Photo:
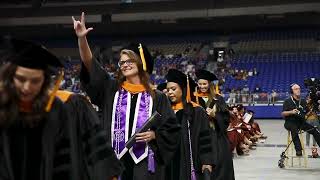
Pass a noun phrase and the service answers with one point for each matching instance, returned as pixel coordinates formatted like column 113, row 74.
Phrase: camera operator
column 294, row 111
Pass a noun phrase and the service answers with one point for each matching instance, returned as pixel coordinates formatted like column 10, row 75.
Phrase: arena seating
column 276, row 70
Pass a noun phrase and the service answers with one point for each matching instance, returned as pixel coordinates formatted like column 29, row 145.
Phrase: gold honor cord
column 54, row 91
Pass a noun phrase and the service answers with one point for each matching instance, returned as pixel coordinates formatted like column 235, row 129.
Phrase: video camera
column 313, row 84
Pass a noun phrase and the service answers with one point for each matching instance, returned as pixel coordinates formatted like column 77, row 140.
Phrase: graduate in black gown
column 220, row 120
column 195, row 149
column 33, row 145
column 205, row 81
column 92, row 156
column 126, row 103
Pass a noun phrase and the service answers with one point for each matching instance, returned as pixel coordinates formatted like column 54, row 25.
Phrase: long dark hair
column 9, row 99
column 143, row 75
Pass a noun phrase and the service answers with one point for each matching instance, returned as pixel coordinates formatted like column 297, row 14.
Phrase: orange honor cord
column 188, row 98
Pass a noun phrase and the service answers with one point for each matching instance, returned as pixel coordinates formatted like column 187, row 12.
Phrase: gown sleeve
column 99, row 158
column 167, row 131
column 97, row 83
column 58, row 126
column 205, row 138
column 222, row 118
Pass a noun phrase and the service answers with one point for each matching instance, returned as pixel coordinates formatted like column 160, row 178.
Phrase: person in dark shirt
column 294, row 110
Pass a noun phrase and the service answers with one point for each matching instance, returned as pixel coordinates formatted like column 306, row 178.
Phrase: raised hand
column 80, row 26
column 209, row 167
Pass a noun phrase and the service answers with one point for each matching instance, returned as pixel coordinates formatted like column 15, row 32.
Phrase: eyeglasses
column 128, row 62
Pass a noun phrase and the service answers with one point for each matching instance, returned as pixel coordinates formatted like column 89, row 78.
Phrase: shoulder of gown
column 97, row 83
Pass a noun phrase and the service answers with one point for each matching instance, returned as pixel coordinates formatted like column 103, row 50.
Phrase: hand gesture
column 209, row 167
column 80, row 26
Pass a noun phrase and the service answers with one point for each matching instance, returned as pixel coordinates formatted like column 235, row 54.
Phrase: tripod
column 283, row 155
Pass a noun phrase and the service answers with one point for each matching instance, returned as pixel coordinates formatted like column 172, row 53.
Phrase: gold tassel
column 142, row 58
column 217, row 89
column 53, row 93
column 188, row 98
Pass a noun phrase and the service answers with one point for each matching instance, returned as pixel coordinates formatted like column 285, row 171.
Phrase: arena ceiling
column 20, row 17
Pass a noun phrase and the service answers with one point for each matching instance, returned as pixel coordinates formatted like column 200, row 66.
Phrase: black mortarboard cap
column 178, row 77
column 203, row 74
column 162, row 86
column 30, row 55
column 147, row 55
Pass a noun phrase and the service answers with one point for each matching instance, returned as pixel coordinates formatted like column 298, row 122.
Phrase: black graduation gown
column 101, row 88
column 43, row 149
column 224, row 163
column 180, row 167
column 202, row 102
column 92, row 157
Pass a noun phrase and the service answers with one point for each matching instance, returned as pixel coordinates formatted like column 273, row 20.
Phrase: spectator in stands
column 68, row 80
column 236, row 70
column 76, row 87
column 269, row 98
column 250, row 73
column 274, row 96
column 255, row 72
column 245, row 75
column 257, row 89
column 245, row 93
column 238, row 95
column 232, row 97
column 190, row 68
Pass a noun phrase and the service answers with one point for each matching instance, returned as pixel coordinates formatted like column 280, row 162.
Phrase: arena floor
column 262, row 164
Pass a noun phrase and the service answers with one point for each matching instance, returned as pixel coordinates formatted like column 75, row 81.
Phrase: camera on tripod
column 313, row 84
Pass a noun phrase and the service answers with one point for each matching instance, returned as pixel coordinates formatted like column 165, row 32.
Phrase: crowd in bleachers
column 244, row 77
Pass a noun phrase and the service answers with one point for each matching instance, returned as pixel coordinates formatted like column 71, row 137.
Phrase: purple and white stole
column 120, row 123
